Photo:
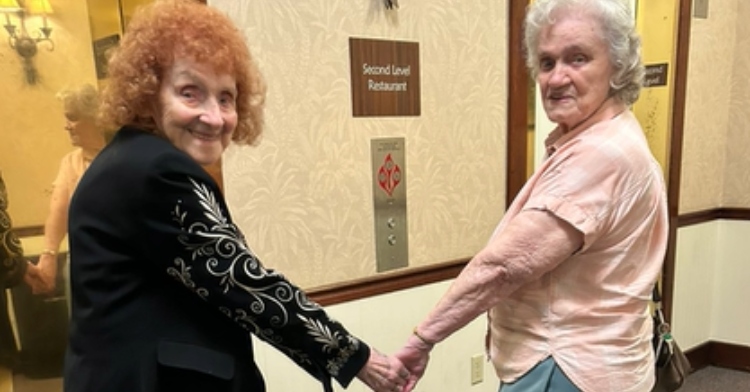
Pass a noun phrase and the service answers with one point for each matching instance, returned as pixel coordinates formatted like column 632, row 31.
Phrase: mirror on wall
column 59, row 45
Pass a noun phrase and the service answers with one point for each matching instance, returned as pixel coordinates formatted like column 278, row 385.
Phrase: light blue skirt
column 546, row 376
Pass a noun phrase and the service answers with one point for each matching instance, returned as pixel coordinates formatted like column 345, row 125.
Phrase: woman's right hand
column 384, row 373
column 33, row 278
column 47, row 271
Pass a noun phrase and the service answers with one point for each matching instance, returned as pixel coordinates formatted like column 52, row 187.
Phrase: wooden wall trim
column 730, row 356
column 386, row 283
column 29, row 231
column 724, row 355
column 518, row 91
column 675, row 149
column 699, row 217
column 699, row 356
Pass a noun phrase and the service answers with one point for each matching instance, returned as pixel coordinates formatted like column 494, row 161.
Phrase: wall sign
column 385, row 78
column 656, row 75
column 102, row 50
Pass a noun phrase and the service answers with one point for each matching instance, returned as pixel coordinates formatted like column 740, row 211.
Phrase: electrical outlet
column 477, row 369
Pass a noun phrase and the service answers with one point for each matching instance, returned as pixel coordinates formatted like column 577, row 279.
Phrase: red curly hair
column 159, row 33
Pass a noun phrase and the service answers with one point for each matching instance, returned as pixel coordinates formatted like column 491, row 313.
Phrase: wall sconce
column 19, row 38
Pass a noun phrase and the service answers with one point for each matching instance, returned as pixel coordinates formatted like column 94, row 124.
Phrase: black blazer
column 165, row 292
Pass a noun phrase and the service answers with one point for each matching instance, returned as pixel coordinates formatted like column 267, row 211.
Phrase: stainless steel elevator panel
column 389, row 197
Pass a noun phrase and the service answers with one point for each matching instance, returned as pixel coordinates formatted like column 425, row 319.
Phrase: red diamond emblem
column 389, row 175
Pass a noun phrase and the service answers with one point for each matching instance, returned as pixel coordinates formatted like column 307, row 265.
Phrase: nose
column 212, row 114
column 558, row 76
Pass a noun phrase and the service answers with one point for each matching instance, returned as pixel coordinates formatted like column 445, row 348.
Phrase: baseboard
column 725, row 355
column 699, row 356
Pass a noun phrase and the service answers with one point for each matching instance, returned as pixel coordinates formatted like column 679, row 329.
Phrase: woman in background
column 80, row 106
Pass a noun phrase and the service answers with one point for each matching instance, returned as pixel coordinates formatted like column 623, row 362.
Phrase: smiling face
column 574, row 70
column 196, row 110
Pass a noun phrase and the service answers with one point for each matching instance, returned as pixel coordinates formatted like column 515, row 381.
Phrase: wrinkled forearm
column 477, row 288
column 530, row 246
column 56, row 225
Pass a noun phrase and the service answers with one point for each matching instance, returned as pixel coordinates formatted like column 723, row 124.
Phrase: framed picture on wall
column 102, row 50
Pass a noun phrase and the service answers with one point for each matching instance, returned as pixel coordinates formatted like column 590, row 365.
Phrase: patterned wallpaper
column 303, row 197
column 716, row 168
column 737, row 170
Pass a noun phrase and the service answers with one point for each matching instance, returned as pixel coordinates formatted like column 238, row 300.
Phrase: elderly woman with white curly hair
column 567, row 274
column 80, row 107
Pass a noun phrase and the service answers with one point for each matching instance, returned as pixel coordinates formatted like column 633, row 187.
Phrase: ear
column 150, row 113
column 151, row 108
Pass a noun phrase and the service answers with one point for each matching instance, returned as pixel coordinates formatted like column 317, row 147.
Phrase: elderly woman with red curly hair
column 166, row 294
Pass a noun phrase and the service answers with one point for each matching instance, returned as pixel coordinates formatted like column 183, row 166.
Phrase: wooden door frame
column 518, row 79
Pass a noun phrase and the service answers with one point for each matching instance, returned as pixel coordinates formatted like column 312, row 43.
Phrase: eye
column 579, row 59
column 189, row 93
column 227, row 100
column 546, row 64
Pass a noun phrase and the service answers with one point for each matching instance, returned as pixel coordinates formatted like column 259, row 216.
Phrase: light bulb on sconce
column 25, row 43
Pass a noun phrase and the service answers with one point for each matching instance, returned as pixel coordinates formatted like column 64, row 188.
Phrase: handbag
column 672, row 366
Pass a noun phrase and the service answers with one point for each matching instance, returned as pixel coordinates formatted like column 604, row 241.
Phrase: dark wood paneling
column 731, row 356
column 725, row 355
column 518, row 91
column 699, row 217
column 733, row 213
column 29, row 231
column 386, row 283
column 699, row 356
column 675, row 149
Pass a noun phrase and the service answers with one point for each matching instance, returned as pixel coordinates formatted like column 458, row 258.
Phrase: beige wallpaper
column 304, row 196
column 704, row 156
column 716, row 166
column 737, row 171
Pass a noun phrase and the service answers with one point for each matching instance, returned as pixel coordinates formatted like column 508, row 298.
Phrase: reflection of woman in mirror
column 81, row 106
column 13, row 269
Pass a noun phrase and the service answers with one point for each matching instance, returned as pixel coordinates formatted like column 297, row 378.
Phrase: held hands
column 383, row 373
column 415, row 355
column 33, row 278
column 48, row 271
column 41, row 277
